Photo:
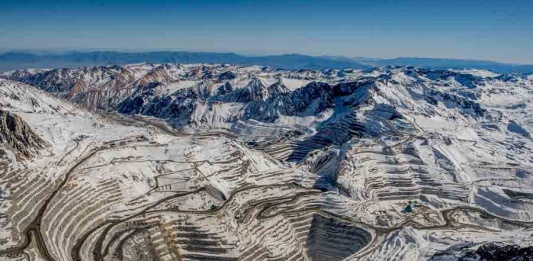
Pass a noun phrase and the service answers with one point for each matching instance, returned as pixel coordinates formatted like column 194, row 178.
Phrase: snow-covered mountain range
column 226, row 162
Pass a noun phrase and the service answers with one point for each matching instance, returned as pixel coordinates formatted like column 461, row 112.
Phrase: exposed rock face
column 15, row 134
column 329, row 239
column 488, row 252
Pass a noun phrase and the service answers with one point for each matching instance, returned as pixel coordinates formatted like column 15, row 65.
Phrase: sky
column 467, row 29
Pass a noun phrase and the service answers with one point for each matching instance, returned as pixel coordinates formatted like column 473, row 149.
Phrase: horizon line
column 60, row 51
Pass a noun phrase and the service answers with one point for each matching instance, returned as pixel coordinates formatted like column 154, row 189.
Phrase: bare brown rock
column 16, row 135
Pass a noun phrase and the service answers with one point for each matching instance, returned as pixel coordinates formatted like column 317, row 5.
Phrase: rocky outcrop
column 489, row 252
column 16, row 135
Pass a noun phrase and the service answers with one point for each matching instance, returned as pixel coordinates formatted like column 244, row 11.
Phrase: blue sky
column 472, row 29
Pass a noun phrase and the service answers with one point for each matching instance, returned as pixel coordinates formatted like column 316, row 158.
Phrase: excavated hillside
column 224, row 162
